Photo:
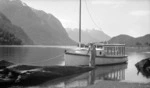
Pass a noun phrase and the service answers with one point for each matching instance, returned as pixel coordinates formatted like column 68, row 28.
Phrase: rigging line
column 46, row 59
column 37, row 61
column 15, row 65
column 91, row 16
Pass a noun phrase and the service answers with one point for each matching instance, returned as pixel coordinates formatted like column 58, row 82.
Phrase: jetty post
column 92, row 55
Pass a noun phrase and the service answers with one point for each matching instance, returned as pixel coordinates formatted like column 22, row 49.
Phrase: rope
column 36, row 62
column 91, row 16
column 15, row 65
column 45, row 60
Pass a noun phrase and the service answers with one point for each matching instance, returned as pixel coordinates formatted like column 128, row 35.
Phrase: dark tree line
column 7, row 38
column 140, row 44
column 147, row 44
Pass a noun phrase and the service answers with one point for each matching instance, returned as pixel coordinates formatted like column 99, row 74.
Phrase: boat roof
column 108, row 44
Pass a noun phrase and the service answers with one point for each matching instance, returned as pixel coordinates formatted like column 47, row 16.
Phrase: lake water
column 48, row 55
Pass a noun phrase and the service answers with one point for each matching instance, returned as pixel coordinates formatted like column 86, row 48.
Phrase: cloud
column 140, row 13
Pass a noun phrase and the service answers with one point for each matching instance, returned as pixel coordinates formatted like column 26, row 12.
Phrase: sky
column 114, row 17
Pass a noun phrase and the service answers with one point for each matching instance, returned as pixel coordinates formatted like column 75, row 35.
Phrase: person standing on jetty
column 92, row 54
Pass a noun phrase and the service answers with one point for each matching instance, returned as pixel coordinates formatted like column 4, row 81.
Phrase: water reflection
column 40, row 55
column 115, row 73
column 131, row 71
column 32, row 55
column 13, row 54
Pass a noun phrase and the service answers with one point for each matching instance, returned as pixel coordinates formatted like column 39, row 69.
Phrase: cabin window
column 100, row 53
column 99, row 46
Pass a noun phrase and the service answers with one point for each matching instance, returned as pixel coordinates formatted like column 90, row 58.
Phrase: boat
column 105, row 53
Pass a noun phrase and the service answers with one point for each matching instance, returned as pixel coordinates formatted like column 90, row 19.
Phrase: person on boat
column 92, row 53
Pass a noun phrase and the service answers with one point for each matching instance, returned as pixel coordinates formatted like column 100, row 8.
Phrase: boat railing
column 114, row 50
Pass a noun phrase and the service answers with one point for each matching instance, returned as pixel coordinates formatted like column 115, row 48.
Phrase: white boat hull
column 82, row 59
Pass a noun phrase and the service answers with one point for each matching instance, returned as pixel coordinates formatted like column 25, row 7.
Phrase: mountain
column 11, row 34
column 87, row 35
column 122, row 39
column 41, row 27
column 131, row 41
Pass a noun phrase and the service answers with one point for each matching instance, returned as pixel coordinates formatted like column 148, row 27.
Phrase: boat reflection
column 114, row 73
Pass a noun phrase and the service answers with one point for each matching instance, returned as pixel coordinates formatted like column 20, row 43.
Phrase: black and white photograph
column 74, row 43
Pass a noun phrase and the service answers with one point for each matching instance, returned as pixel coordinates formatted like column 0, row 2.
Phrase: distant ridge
column 11, row 34
column 41, row 27
column 90, row 35
column 131, row 41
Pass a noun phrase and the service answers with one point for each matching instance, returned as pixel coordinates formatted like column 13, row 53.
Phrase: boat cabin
column 110, row 49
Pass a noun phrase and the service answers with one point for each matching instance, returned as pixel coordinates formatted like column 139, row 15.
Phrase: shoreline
column 116, row 84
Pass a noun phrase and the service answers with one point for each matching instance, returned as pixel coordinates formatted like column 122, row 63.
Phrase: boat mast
column 80, row 24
